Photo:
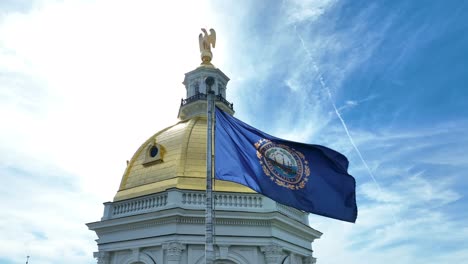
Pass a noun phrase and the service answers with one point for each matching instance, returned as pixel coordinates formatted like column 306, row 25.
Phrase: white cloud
column 419, row 226
column 409, row 215
column 82, row 84
column 301, row 10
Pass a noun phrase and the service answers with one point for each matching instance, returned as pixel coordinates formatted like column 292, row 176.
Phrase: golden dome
column 174, row 157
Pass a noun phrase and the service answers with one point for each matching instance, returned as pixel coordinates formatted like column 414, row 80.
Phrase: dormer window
column 154, row 151
column 153, row 154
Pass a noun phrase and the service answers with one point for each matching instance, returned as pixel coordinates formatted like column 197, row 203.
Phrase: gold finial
column 206, row 41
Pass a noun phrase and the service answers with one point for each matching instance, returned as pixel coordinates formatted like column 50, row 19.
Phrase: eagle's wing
column 212, row 37
column 200, row 41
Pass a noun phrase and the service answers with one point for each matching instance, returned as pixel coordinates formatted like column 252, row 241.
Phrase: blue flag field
column 308, row 177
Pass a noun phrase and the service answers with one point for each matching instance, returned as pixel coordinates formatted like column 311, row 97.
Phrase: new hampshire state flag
column 308, row 177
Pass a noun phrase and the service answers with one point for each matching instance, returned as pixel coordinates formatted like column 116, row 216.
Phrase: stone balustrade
column 248, row 202
column 224, row 200
column 139, row 205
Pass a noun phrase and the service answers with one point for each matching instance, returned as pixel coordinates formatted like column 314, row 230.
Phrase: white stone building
column 158, row 213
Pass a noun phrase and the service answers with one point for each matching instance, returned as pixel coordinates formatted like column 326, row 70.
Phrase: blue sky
column 84, row 83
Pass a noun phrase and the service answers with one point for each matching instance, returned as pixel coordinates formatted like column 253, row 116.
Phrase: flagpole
column 209, row 249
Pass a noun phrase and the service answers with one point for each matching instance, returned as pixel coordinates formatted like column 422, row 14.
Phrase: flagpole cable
column 209, row 250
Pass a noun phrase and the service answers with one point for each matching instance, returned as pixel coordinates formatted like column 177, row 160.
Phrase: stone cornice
column 179, row 216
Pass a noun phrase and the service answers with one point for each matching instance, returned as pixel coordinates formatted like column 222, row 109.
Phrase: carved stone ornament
column 102, row 257
column 309, row 260
column 173, row 250
column 273, row 253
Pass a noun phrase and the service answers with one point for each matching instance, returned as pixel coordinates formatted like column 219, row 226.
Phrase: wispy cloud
column 416, row 202
column 40, row 206
column 349, row 104
column 83, row 83
column 417, row 192
column 299, row 11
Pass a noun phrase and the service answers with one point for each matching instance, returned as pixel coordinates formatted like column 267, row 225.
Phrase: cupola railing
column 202, row 96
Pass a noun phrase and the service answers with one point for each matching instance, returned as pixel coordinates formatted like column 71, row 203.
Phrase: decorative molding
column 294, row 258
column 132, row 257
column 223, row 251
column 309, row 260
column 173, row 250
column 183, row 220
column 273, row 253
column 292, row 213
column 103, row 257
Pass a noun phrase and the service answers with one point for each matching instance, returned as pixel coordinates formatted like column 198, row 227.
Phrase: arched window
column 222, row 90
column 224, row 261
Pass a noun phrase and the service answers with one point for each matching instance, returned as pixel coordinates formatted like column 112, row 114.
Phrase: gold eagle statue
column 206, row 41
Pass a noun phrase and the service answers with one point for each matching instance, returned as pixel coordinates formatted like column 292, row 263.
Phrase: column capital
column 103, row 257
column 173, row 250
column 309, row 260
column 273, row 253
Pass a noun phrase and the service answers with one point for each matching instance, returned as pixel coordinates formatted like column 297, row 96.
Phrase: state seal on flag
column 282, row 164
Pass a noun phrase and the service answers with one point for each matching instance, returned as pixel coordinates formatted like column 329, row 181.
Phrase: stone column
column 273, row 253
column 102, row 257
column 309, row 260
column 173, row 252
column 294, row 259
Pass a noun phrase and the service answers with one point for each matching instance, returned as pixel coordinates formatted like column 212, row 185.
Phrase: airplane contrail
column 343, row 123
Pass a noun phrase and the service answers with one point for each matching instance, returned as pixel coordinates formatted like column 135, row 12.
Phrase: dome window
column 154, row 151
column 153, row 154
